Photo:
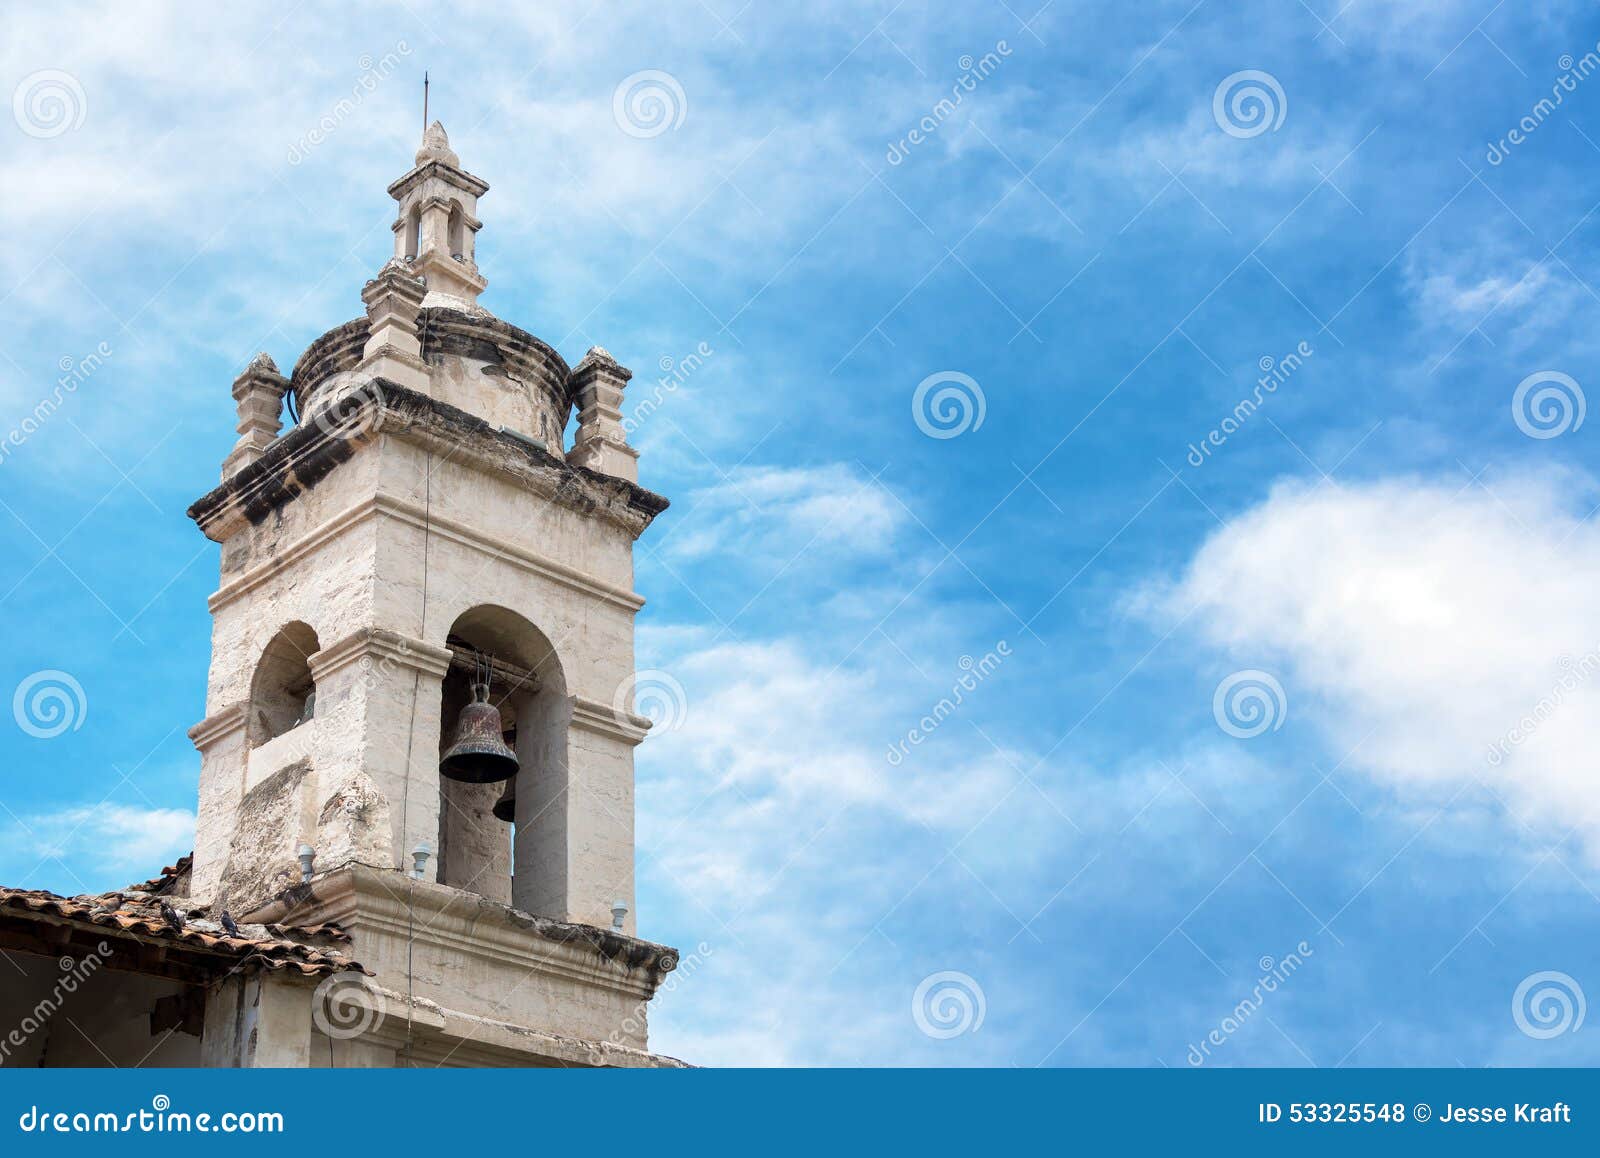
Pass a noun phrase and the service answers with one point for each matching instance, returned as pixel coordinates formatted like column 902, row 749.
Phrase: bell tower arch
column 422, row 527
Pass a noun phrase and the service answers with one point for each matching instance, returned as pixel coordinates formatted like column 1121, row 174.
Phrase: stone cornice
column 300, row 459
column 593, row 716
column 303, row 547
column 445, row 172
column 218, row 725
column 380, row 647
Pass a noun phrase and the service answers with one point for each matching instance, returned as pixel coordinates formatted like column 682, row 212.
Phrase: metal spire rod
column 424, row 100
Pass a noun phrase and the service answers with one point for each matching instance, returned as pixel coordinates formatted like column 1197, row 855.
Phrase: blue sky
column 1110, row 255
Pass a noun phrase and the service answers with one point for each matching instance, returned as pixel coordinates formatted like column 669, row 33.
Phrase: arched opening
column 413, row 232
column 282, row 694
column 477, row 850
column 456, row 232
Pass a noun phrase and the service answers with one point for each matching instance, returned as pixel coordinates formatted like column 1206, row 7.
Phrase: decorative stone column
column 601, row 444
column 258, row 392
column 394, row 348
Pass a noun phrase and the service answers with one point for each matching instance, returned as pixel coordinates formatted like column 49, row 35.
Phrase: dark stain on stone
column 298, row 461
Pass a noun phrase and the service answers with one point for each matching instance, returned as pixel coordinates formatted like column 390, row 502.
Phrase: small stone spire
column 258, row 393
column 436, row 147
column 601, row 443
column 436, row 231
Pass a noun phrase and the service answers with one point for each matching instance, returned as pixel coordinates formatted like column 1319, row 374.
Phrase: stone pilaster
column 601, row 443
column 378, row 699
column 258, row 393
column 221, row 741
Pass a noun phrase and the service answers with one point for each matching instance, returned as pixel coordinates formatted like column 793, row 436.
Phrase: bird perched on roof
column 171, row 918
column 229, row 923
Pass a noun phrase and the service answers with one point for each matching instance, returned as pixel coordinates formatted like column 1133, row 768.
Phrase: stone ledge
column 299, row 460
column 218, row 725
column 356, row 896
column 593, row 716
column 400, row 186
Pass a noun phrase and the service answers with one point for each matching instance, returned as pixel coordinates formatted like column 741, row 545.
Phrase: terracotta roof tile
column 167, row 880
column 137, row 912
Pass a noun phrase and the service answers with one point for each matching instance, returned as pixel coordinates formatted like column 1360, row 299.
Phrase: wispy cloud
column 102, row 840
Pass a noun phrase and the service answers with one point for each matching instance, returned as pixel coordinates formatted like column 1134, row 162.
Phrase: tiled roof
column 169, row 878
column 137, row 913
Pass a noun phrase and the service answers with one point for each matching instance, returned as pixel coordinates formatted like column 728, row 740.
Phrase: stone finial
column 436, row 147
column 597, row 384
column 394, row 348
column 258, row 393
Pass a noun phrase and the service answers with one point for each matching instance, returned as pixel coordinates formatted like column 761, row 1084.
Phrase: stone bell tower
column 420, row 524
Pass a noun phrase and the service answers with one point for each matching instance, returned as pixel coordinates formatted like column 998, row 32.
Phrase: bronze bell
column 479, row 754
column 506, row 807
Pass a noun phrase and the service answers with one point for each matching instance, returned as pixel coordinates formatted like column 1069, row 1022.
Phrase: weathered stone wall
column 427, row 489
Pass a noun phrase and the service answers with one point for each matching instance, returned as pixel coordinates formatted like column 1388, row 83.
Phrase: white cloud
column 1470, row 299
column 1517, row 298
column 778, row 512
column 1410, row 30
column 109, row 840
column 1199, row 152
column 1421, row 624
